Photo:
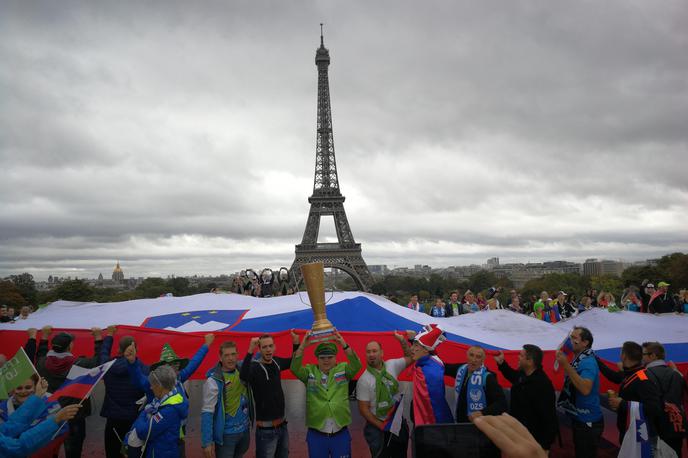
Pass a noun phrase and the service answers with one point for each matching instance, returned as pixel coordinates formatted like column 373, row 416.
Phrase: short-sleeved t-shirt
column 365, row 387
column 588, row 407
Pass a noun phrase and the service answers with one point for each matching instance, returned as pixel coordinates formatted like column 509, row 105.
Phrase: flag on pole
column 80, row 382
column 15, row 372
column 567, row 348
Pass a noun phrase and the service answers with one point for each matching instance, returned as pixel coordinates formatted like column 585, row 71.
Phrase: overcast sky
column 179, row 137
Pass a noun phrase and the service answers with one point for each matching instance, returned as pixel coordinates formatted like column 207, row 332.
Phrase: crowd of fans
column 559, row 305
column 146, row 407
column 8, row 314
column 266, row 284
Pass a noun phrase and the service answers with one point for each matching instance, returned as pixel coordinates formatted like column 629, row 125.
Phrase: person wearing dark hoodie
column 119, row 406
column 54, row 365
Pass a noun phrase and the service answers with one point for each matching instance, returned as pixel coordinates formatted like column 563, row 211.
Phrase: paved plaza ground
column 295, row 401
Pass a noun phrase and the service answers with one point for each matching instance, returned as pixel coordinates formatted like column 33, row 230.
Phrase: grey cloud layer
column 180, row 137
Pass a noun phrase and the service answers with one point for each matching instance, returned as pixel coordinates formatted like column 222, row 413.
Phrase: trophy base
column 322, row 335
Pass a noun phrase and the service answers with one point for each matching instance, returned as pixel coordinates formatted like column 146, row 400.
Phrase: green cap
column 168, row 356
column 662, row 284
column 326, row 349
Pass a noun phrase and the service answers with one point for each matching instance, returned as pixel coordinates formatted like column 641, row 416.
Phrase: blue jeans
column 272, row 442
column 233, row 445
column 322, row 445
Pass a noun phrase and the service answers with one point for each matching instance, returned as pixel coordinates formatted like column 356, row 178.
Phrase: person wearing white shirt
column 381, row 401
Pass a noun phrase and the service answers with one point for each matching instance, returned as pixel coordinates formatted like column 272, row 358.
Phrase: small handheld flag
column 566, row 347
column 80, row 382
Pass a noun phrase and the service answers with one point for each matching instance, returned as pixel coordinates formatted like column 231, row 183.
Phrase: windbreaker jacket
column 18, row 438
column 331, row 401
column 161, row 431
column 213, row 410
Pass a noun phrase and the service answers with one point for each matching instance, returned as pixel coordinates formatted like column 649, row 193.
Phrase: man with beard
column 634, row 386
column 378, row 393
column 578, row 397
column 672, row 390
column 532, row 394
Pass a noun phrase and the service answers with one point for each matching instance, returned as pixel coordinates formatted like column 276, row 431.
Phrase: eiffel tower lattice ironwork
column 327, row 199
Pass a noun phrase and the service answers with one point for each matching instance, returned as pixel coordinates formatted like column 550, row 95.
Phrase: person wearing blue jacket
column 182, row 367
column 34, row 386
column 155, row 432
column 226, row 413
column 19, row 439
column 119, row 406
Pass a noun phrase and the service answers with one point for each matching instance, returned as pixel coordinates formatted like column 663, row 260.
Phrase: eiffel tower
column 327, row 200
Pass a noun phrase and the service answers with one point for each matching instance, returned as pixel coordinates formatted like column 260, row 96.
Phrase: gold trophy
column 314, row 277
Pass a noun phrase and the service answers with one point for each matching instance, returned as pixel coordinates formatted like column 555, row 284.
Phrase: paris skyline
column 182, row 139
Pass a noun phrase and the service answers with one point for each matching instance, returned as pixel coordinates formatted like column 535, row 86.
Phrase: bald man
column 477, row 392
column 377, row 392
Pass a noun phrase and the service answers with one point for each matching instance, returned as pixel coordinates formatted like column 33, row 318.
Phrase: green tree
column 74, row 290
column 26, row 286
column 675, row 269
column 481, row 280
column 608, row 283
column 11, row 296
column 552, row 283
column 179, row 286
column 152, row 287
column 635, row 275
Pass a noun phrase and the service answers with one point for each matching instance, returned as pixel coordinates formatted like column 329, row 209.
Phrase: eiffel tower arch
column 327, row 199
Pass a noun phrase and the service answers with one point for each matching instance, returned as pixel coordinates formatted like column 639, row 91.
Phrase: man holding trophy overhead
column 327, row 383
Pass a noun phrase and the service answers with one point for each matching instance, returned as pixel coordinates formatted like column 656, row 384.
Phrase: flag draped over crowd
column 361, row 317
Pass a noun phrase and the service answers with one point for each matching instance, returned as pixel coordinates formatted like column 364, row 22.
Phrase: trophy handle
column 298, row 291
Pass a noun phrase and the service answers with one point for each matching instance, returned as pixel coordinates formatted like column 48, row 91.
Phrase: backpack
column 673, row 418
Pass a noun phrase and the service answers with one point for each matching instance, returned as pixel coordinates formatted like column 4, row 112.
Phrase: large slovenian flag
column 360, row 317
column 80, row 382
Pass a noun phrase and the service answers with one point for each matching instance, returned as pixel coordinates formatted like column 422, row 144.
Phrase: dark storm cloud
column 180, row 137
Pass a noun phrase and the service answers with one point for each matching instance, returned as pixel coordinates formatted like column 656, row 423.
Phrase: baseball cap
column 61, row 342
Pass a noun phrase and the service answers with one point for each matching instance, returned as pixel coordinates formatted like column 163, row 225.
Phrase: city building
column 117, row 274
column 592, row 267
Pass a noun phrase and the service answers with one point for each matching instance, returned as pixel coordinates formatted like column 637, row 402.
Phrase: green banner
column 15, row 372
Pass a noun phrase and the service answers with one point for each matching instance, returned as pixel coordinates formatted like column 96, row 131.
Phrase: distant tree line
column 19, row 290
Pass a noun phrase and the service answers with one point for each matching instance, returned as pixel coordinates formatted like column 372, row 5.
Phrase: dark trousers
column 384, row 444
column 113, row 443
column 75, row 440
column 586, row 439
